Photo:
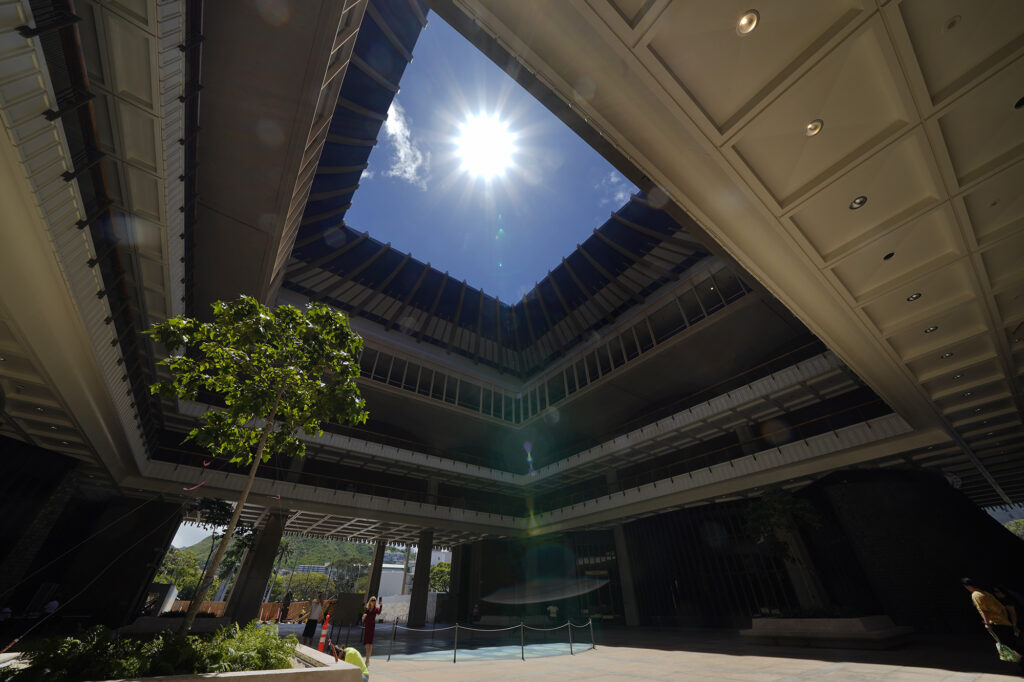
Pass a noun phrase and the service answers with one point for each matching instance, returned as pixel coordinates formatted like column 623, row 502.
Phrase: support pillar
column 629, row 607
column 476, row 557
column 247, row 595
column 456, row 594
column 421, row 579
column 376, row 568
column 810, row 593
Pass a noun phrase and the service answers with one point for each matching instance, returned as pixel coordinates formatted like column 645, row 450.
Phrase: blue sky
column 501, row 235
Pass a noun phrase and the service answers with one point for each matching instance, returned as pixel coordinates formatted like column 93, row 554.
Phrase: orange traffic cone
column 323, row 632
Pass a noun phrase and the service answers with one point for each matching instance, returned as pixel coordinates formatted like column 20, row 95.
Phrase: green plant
column 253, row 647
column 440, row 576
column 277, row 372
column 99, row 654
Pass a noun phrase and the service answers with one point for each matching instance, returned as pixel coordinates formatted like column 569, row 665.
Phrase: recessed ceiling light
column 747, row 22
column 913, row 297
column 951, row 23
column 711, row 288
column 990, row 433
column 64, row 442
column 814, row 127
column 858, row 202
column 53, row 428
column 1019, row 104
column 958, row 376
column 967, row 394
column 39, row 409
column 931, row 329
column 946, row 356
column 889, row 255
column 993, row 203
column 977, row 410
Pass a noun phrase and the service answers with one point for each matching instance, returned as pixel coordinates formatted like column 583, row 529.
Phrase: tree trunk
column 211, row 570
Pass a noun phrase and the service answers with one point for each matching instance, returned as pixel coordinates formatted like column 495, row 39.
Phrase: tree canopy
column 297, row 369
column 440, row 576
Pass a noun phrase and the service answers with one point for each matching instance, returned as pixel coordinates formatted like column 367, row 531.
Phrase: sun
column 485, row 146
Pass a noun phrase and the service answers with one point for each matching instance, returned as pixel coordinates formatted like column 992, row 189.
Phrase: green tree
column 1016, row 527
column 182, row 569
column 276, row 371
column 305, row 586
column 441, row 576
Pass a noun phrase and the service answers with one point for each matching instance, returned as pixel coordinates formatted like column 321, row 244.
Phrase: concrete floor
column 678, row 655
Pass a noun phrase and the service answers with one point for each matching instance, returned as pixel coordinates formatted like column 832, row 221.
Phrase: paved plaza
column 681, row 655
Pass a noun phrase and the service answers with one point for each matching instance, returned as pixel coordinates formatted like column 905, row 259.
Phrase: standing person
column 1011, row 606
column 285, row 605
column 369, row 620
column 993, row 616
column 552, row 613
column 316, row 611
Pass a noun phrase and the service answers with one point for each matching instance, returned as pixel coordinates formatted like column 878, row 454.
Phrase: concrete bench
column 866, row 632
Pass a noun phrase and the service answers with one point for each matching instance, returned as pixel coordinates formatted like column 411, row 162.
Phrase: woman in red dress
column 369, row 619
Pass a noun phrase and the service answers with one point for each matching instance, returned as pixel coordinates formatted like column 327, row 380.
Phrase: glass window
column 691, row 306
column 570, row 380
column 603, row 360
column 486, row 407
column 615, row 349
column 592, row 366
column 581, row 374
column 451, row 390
column 397, row 372
column 629, row 344
column 643, row 335
column 666, row 321
column 426, row 376
column 412, row 375
column 437, row 387
column 556, row 388
column 366, row 361
column 469, row 396
column 383, row 367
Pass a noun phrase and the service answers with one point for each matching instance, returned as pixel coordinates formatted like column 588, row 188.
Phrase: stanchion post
column 522, row 641
column 455, row 648
column 570, row 638
column 593, row 645
column 392, row 645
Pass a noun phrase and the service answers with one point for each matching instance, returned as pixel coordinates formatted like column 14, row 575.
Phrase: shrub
column 98, row 654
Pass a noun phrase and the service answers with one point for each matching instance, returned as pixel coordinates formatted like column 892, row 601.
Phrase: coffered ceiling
column 863, row 160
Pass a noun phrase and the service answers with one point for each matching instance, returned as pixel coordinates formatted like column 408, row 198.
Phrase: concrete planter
column 866, row 632
column 323, row 669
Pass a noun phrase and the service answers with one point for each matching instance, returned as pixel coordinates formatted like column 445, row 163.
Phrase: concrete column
column 376, row 568
column 629, row 606
column 247, row 594
column 810, row 593
column 421, row 580
column 476, row 557
column 21, row 556
column 456, row 595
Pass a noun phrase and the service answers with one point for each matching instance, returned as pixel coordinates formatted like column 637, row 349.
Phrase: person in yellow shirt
column 994, row 617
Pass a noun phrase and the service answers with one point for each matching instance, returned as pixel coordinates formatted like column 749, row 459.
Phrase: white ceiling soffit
column 920, row 111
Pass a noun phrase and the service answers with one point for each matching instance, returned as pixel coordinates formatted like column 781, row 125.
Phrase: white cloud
column 367, row 175
column 409, row 163
column 614, row 189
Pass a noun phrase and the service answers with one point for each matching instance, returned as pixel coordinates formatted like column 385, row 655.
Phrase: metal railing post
column 570, row 638
column 522, row 641
column 392, row 645
column 593, row 645
column 455, row 648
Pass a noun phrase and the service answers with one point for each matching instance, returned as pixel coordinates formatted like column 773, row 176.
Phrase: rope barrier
column 452, row 627
column 529, row 627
